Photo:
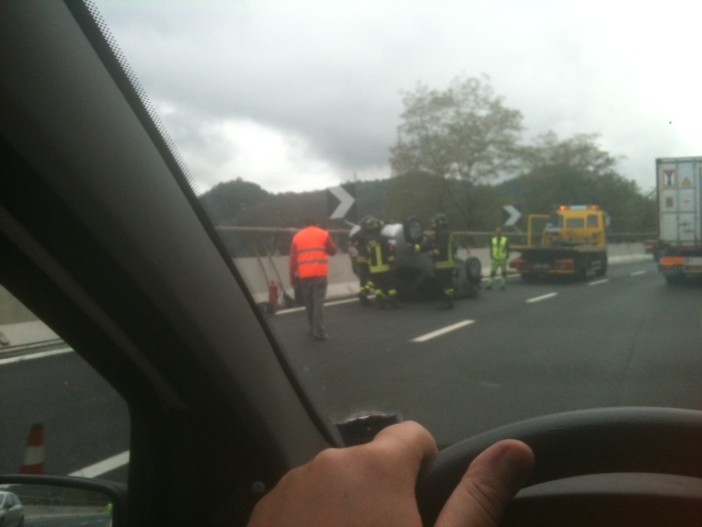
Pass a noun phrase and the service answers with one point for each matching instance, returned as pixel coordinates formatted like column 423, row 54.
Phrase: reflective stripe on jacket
column 309, row 254
column 445, row 250
column 498, row 248
column 380, row 256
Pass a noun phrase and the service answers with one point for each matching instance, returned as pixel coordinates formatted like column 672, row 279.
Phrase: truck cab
column 571, row 241
column 572, row 225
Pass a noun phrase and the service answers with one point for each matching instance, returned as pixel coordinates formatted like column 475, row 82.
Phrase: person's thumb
column 489, row 484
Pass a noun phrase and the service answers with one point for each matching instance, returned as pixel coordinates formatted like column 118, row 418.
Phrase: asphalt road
column 533, row 349
column 84, row 420
column 84, row 520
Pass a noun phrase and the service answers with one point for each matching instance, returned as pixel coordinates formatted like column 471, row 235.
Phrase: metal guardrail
column 244, row 241
column 264, row 262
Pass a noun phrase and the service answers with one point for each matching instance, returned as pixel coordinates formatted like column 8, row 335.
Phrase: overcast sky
column 305, row 94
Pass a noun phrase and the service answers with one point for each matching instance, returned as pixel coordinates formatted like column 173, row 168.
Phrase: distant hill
column 469, row 207
column 242, row 203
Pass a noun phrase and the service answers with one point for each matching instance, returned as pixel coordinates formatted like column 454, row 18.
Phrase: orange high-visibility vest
column 308, row 255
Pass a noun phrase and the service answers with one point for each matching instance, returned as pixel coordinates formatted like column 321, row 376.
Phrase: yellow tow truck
column 572, row 242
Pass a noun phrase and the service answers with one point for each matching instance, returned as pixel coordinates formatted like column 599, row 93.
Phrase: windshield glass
column 429, row 143
column 575, row 223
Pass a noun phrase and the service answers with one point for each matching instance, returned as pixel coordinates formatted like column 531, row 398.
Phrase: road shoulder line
column 104, row 466
column 442, row 331
column 540, row 298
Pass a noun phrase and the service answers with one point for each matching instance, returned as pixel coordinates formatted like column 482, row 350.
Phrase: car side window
column 59, row 416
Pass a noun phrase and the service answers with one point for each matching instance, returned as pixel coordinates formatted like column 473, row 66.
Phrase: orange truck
column 571, row 241
column 679, row 246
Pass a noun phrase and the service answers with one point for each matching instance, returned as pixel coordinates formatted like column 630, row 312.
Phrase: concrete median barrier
column 342, row 281
column 20, row 329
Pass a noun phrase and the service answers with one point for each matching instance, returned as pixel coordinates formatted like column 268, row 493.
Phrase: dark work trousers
column 384, row 283
column 445, row 278
column 314, row 291
column 363, row 274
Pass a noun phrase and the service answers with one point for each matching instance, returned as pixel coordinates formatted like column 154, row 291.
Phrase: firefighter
column 359, row 249
column 443, row 251
column 499, row 253
column 381, row 264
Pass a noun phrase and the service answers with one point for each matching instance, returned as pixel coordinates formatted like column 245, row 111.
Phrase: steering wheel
column 612, row 447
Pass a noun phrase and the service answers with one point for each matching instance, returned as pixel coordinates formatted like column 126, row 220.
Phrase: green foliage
column 464, row 129
column 577, row 171
column 570, row 171
column 371, row 197
column 415, row 194
column 225, row 201
column 287, row 210
column 420, row 194
column 451, row 145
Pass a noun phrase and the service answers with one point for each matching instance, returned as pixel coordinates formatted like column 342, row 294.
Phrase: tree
column 577, row 171
column 415, row 194
column 422, row 195
column 225, row 201
column 465, row 130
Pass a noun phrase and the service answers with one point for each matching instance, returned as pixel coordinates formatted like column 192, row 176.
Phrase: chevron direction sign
column 511, row 214
column 341, row 202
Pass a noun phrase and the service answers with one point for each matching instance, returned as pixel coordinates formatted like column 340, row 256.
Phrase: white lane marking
column 599, row 282
column 637, row 273
column 442, row 331
column 298, row 309
column 100, row 468
column 289, row 310
column 339, row 302
column 33, row 356
column 540, row 298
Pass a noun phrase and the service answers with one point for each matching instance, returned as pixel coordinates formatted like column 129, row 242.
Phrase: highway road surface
column 534, row 349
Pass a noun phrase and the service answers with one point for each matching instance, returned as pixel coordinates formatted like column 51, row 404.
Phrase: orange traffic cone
column 35, row 455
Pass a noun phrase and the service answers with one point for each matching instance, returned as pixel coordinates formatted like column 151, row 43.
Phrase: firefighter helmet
column 439, row 219
column 369, row 223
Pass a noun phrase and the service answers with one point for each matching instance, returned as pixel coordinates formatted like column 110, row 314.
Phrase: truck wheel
column 582, row 269
column 602, row 270
column 674, row 279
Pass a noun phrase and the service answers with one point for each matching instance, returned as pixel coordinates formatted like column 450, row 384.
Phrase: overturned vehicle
column 414, row 269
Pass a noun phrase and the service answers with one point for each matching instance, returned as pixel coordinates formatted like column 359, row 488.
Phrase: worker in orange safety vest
column 309, row 269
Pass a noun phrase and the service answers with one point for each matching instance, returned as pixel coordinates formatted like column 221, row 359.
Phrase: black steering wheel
column 617, row 444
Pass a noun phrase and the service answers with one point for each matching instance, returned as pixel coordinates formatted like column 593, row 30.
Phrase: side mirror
column 71, row 501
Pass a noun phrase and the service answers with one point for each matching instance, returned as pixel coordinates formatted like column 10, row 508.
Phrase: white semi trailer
column 679, row 246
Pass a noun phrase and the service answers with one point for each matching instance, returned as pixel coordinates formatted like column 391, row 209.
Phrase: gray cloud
column 328, row 76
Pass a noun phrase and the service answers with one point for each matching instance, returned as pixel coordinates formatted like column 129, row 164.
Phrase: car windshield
column 432, row 142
